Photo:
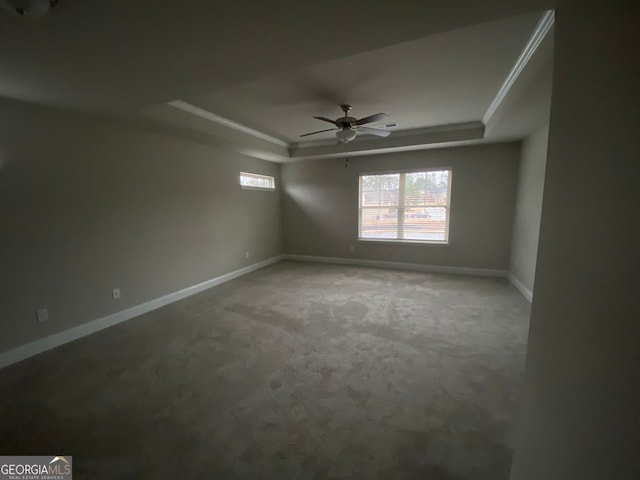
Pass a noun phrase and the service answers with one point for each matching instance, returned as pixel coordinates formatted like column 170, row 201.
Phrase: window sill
column 405, row 242
column 261, row 189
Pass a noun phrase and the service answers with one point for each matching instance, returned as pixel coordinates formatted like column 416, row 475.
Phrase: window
column 260, row 182
column 405, row 206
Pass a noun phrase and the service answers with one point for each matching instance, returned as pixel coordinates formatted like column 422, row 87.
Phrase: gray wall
column 87, row 205
column 582, row 417
column 526, row 224
column 320, row 206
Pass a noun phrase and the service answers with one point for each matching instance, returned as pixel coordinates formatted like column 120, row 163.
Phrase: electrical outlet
column 246, row 255
column 42, row 315
column 351, row 248
column 116, row 294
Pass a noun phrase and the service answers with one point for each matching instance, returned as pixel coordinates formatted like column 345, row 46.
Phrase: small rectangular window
column 405, row 206
column 260, row 182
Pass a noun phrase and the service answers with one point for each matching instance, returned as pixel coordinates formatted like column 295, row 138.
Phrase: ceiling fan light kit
column 347, row 128
column 346, row 135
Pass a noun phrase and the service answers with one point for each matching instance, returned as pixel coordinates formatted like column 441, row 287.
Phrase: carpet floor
column 296, row 371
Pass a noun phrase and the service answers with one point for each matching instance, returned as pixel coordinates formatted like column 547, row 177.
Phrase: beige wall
column 581, row 417
column 320, row 206
column 526, row 224
column 89, row 205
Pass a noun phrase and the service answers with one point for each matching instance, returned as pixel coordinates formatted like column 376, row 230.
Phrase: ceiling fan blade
column 372, row 118
column 319, row 131
column 375, row 131
column 325, row 119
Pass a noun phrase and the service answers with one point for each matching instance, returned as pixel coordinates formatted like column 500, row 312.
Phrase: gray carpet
column 297, row 371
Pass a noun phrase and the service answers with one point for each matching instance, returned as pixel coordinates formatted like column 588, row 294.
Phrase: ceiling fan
column 347, row 128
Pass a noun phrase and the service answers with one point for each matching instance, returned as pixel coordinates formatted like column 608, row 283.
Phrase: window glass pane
column 370, row 182
column 379, row 223
column 371, row 199
column 380, row 190
column 415, row 188
column 424, row 206
column 426, row 224
column 254, row 180
column 437, row 187
column 389, row 186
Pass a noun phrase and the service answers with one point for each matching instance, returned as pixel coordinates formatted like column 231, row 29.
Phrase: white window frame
column 270, row 188
column 401, row 207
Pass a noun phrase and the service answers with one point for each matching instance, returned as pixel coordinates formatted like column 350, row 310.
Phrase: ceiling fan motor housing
column 346, row 122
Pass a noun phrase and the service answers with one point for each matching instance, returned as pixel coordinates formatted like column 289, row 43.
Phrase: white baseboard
column 482, row 272
column 526, row 293
column 42, row 345
column 31, row 349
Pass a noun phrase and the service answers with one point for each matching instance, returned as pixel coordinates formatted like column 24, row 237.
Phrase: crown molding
column 536, row 38
column 365, row 137
column 406, row 140
column 200, row 112
column 414, row 139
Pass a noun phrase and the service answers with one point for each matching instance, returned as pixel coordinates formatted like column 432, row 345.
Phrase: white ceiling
column 273, row 66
